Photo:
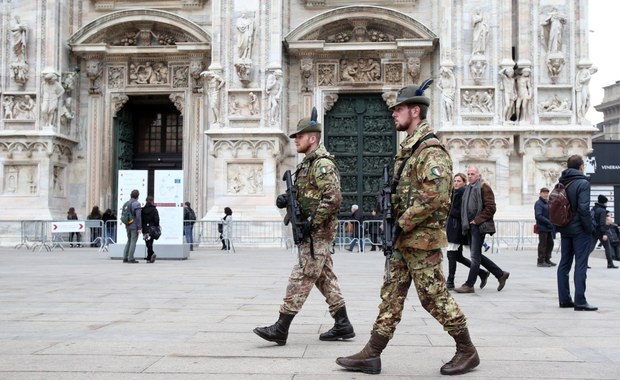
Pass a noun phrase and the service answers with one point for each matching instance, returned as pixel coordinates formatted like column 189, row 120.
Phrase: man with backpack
column 131, row 216
column 576, row 236
column 601, row 229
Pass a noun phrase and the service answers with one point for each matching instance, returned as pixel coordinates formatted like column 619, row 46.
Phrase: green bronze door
column 359, row 131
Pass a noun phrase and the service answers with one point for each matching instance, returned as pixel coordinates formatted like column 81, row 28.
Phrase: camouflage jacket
column 421, row 202
column 318, row 192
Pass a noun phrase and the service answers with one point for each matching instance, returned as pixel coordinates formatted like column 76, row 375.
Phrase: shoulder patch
column 437, row 170
column 325, row 169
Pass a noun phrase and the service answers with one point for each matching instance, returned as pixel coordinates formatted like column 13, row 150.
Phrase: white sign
column 69, row 226
column 169, row 200
column 129, row 180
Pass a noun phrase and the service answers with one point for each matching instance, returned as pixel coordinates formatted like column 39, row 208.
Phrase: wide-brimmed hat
column 413, row 94
column 307, row 124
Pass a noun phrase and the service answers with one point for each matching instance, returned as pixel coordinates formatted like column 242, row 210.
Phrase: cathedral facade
column 214, row 88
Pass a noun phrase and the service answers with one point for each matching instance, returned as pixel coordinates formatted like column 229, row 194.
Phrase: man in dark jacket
column 576, row 236
column 358, row 228
column 546, row 230
column 150, row 218
column 601, row 229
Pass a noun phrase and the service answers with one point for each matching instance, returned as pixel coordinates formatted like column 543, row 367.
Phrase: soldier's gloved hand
column 396, row 230
column 282, row 201
column 307, row 228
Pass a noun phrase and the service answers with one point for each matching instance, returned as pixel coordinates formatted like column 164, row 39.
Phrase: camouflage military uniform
column 421, row 204
column 318, row 184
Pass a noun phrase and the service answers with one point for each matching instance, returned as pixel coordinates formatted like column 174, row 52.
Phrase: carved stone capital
column 179, row 100
column 329, row 100
column 118, row 101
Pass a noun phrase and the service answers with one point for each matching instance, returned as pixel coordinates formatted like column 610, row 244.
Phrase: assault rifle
column 388, row 221
column 293, row 211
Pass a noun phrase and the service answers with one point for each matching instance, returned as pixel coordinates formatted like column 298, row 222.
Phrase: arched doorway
column 148, row 134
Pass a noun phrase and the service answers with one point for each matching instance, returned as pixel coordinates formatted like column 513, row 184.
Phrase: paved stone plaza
column 76, row 314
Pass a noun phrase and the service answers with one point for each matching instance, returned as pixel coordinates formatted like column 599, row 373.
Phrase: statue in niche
column 11, row 176
column 306, row 71
column 413, row 68
column 24, row 108
column 274, row 90
column 507, row 84
column 447, row 86
column 552, row 31
column 8, row 104
column 245, row 26
column 524, row 94
column 195, row 68
column 20, row 39
column 52, row 92
column 214, row 85
column 57, row 178
column 582, row 90
column 480, row 34
column 254, row 107
column 180, row 78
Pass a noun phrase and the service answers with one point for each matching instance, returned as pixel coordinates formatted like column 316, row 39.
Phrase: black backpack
column 560, row 210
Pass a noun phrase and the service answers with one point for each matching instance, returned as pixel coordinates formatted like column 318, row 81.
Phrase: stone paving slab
column 76, row 314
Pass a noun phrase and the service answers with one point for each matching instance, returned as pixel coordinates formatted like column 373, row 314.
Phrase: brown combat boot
column 342, row 328
column 466, row 357
column 368, row 360
column 278, row 332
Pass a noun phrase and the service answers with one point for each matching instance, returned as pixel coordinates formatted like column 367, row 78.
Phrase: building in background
column 90, row 87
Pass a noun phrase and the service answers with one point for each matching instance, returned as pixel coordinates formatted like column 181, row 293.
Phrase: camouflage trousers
column 318, row 271
column 425, row 270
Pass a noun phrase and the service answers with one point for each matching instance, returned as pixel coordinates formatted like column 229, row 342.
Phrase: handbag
column 536, row 228
column 487, row 227
column 155, row 232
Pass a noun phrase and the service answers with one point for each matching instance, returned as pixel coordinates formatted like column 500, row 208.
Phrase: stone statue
column 480, row 34
column 19, row 72
column 235, row 106
column 477, row 66
column 507, row 84
column 524, row 94
column 447, row 85
column 582, row 89
column 552, row 31
column 20, row 40
column 52, row 91
column 243, row 69
column 93, row 72
column 214, row 85
column 274, row 90
column 245, row 27
column 66, row 112
column 24, row 108
column 413, row 68
column 253, row 104
column 7, row 105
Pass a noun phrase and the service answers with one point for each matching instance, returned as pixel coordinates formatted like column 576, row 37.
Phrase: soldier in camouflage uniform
column 318, row 192
column 421, row 203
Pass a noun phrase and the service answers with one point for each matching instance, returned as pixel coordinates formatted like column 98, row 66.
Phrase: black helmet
column 413, row 95
column 307, row 124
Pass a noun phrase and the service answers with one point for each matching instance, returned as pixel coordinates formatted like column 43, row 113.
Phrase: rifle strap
column 414, row 151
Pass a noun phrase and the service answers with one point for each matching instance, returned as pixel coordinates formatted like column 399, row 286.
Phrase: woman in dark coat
column 456, row 239
column 150, row 217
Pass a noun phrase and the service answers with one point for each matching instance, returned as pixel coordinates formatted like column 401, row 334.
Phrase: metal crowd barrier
column 37, row 234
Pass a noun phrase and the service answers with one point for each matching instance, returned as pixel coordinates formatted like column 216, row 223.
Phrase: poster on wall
column 129, row 180
column 169, row 200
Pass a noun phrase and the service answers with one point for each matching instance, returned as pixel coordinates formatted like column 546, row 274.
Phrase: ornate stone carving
column 52, row 93
column 307, row 66
column 19, row 72
column 58, row 180
column 144, row 36
column 364, row 70
column 116, row 76
column 394, row 73
column 19, row 33
column 507, row 85
column 180, row 78
column 326, row 74
column 214, row 83
column 555, row 63
column 329, row 100
column 555, row 104
column 479, row 101
column 148, row 73
column 245, row 37
column 118, row 101
column 244, row 179
column 178, row 100
column 94, row 68
column 20, row 179
column 552, row 28
column 582, row 89
column 274, row 90
column 480, row 34
column 69, row 79
column 413, row 68
column 243, row 67
column 66, row 112
column 389, row 98
column 447, row 86
column 253, row 104
column 477, row 67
